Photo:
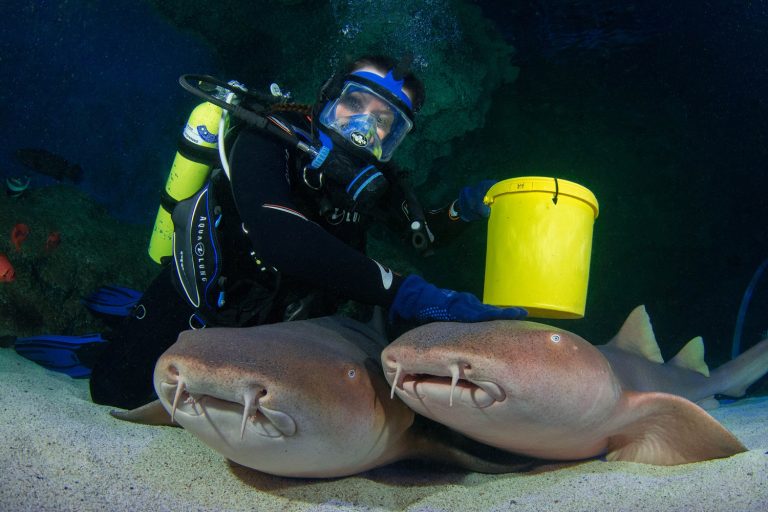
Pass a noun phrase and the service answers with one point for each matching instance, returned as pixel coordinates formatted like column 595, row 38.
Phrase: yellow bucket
column 539, row 246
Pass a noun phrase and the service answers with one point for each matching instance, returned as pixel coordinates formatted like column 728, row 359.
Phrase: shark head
column 503, row 381
column 296, row 399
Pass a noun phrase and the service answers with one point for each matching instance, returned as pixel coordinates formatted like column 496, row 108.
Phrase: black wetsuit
column 316, row 256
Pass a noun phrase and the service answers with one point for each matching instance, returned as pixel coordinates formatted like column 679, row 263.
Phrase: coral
column 45, row 295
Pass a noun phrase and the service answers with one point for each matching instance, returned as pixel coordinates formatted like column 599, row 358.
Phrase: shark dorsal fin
column 691, row 357
column 636, row 336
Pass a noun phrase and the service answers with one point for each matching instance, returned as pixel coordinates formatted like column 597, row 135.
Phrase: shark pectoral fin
column 664, row 429
column 152, row 413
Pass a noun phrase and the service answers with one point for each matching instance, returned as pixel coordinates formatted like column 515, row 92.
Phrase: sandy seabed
column 61, row 452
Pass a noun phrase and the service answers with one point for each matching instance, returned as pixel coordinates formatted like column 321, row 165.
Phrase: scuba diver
column 281, row 236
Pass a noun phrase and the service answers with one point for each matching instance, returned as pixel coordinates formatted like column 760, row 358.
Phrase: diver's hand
column 470, row 204
column 417, row 300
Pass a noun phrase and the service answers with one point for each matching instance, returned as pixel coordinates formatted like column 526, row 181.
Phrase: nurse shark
column 544, row 392
column 300, row 399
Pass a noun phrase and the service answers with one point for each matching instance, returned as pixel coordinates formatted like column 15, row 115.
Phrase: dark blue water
column 95, row 82
column 659, row 107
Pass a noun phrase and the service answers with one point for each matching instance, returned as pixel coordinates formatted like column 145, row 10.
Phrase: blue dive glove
column 424, row 302
column 470, row 202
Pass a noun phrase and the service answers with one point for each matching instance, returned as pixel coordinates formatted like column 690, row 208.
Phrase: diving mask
column 367, row 120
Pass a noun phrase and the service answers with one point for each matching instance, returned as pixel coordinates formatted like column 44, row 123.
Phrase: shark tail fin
column 636, row 336
column 691, row 357
column 737, row 375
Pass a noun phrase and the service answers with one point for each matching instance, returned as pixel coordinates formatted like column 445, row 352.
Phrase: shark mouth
column 266, row 422
column 480, row 392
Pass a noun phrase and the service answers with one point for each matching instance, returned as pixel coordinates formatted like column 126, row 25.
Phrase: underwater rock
column 458, row 53
column 49, row 284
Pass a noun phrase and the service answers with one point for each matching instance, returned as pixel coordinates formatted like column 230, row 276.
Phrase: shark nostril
column 391, row 363
column 173, row 371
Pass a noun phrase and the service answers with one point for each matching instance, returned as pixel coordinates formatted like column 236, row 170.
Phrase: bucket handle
column 557, row 191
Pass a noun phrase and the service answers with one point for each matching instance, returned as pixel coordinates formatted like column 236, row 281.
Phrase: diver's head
column 371, row 109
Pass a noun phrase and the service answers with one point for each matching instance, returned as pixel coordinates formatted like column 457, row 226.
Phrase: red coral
column 19, row 233
column 7, row 273
column 53, row 241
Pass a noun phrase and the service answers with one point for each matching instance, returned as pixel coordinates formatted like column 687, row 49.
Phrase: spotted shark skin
column 299, row 399
column 542, row 391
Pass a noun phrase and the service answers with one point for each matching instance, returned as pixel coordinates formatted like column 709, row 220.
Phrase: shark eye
column 555, row 338
column 351, row 373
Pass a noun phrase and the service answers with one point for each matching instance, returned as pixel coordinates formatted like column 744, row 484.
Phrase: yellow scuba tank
column 196, row 155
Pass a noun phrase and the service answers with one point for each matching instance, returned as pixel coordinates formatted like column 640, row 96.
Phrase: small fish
column 49, row 164
column 16, row 185
column 7, row 273
column 53, row 241
column 19, row 233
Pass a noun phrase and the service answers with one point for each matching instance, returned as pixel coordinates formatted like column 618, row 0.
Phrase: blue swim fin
column 73, row 355
column 113, row 300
